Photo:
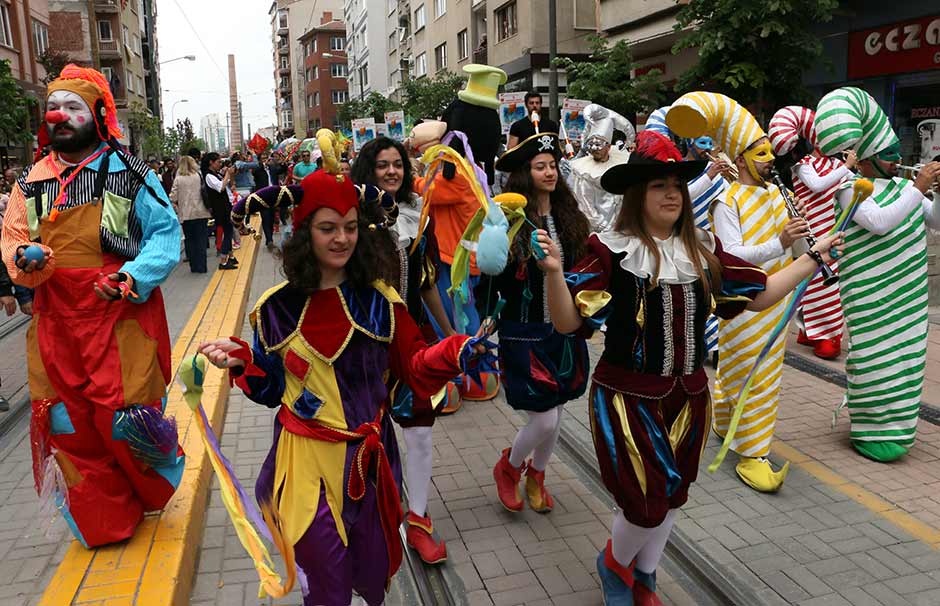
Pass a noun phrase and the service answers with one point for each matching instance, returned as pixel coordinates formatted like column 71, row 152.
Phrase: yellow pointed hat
column 483, row 85
column 720, row 117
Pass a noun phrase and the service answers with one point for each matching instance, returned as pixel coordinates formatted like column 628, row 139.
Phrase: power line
column 204, row 47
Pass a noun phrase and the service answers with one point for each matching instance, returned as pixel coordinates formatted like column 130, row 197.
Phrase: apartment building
column 291, row 19
column 24, row 37
column 325, row 72
column 213, row 129
column 366, row 46
column 109, row 35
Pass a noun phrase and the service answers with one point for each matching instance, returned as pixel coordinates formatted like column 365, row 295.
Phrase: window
column 108, row 74
column 440, row 7
column 340, row 96
column 104, row 31
column 440, row 57
column 129, row 78
column 392, row 43
column 316, row 73
column 287, row 120
column 506, row 21
column 140, row 85
column 313, row 46
column 364, row 76
column 420, row 18
column 6, row 34
column 421, row 64
column 40, row 37
column 284, row 63
column 584, row 15
column 282, row 20
column 338, row 70
column 127, row 38
column 135, row 41
column 392, row 5
column 314, row 99
column 337, row 43
column 313, row 125
column 463, row 45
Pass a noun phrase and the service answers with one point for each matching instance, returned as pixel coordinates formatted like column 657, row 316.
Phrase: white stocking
column 543, row 452
column 537, row 430
column 648, row 559
column 418, row 465
column 627, row 539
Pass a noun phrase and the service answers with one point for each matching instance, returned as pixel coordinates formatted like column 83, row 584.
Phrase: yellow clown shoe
column 757, row 473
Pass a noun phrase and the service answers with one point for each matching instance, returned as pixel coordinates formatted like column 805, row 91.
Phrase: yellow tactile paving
column 155, row 567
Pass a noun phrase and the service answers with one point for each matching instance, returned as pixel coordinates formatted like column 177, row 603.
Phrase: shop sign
column 909, row 46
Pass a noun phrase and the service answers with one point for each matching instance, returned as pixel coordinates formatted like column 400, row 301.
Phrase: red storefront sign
column 909, row 46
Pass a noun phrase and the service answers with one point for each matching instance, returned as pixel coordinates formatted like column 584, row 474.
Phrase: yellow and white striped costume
column 762, row 214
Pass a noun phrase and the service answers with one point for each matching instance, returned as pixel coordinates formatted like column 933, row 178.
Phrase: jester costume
column 883, row 281
column 328, row 360
column 816, row 177
column 749, row 220
column 98, row 369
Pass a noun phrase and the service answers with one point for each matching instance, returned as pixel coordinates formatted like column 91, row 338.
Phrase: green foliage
column 53, row 61
column 755, row 52
column 429, row 97
column 14, row 108
column 607, row 79
column 373, row 106
column 146, row 128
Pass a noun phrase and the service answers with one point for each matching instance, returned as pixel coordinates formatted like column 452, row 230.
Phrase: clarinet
column 829, row 276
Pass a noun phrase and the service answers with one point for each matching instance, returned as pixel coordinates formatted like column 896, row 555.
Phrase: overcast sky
column 240, row 28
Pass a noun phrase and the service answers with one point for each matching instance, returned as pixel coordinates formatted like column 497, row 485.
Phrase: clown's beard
column 84, row 137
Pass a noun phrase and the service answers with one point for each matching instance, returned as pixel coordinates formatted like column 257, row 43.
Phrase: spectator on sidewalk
column 244, row 165
column 169, row 173
column 524, row 128
column 304, row 167
column 193, row 214
column 219, row 193
column 265, row 175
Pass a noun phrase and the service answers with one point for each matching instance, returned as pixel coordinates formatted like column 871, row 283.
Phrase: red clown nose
column 56, row 117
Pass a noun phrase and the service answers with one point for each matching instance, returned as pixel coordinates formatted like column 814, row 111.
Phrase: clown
column 599, row 206
column 98, row 349
column 883, row 277
column 752, row 222
column 815, row 180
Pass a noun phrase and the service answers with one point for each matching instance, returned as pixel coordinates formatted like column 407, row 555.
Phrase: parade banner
column 381, row 129
column 511, row 108
column 363, row 131
column 396, row 125
column 572, row 117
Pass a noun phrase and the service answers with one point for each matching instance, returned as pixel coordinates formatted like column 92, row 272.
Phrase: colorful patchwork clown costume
column 705, row 191
column 883, row 277
column 600, row 207
column 98, row 348
column 749, row 220
column 816, row 177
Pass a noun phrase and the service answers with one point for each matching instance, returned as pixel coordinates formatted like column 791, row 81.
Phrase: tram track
column 15, row 389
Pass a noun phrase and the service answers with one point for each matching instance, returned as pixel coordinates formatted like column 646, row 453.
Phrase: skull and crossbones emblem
column 546, row 143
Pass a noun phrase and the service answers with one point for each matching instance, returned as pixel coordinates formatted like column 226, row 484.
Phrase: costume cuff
column 239, row 375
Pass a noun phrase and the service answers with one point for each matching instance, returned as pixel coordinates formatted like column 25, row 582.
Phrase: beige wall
column 22, row 60
column 444, row 29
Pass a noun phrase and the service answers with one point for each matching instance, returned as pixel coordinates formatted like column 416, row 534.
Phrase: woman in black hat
column 541, row 369
column 653, row 280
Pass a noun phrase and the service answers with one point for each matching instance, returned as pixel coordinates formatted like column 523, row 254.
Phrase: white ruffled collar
column 675, row 266
column 406, row 226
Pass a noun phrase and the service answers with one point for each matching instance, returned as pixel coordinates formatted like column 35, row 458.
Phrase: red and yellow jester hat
column 323, row 189
column 93, row 87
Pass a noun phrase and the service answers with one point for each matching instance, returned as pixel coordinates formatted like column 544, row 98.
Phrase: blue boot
column 616, row 581
column 644, row 589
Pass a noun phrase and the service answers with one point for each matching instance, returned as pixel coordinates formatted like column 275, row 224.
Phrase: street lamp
column 186, row 57
column 173, row 111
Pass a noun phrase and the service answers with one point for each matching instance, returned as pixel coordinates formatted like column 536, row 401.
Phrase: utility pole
column 552, row 53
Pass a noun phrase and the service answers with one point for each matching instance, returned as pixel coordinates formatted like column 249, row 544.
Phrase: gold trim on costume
column 636, row 459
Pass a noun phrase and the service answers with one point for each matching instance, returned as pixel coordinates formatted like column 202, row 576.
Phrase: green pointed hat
column 849, row 118
column 483, row 86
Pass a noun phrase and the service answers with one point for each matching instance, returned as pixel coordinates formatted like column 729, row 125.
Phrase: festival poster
column 572, row 117
column 511, row 109
column 396, row 125
column 928, row 133
column 363, row 131
column 381, row 129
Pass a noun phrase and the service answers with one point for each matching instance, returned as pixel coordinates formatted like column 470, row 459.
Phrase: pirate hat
column 539, row 143
column 655, row 156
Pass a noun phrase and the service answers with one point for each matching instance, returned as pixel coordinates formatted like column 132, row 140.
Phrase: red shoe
column 507, row 482
column 802, row 339
column 539, row 499
column 828, row 349
column 420, row 538
column 471, row 390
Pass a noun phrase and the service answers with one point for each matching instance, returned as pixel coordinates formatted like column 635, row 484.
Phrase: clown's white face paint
column 72, row 105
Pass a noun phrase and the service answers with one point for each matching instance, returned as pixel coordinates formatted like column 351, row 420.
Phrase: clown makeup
column 598, row 148
column 759, row 159
column 78, row 130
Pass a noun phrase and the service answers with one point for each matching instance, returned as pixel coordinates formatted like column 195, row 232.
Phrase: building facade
column 108, row 35
column 151, row 58
column 367, row 46
column 325, row 73
column 24, row 37
column 213, row 129
column 291, row 19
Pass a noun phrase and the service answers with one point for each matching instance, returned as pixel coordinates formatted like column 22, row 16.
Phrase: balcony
column 283, row 71
column 284, row 88
column 479, row 56
column 108, row 6
column 109, row 49
column 283, row 32
column 283, row 50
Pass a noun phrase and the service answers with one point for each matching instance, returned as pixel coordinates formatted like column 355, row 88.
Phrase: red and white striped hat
column 788, row 125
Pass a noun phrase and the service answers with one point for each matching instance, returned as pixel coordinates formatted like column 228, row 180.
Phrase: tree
column 429, row 97
column 53, row 61
column 755, row 52
column 14, row 108
column 147, row 128
column 373, row 106
column 608, row 80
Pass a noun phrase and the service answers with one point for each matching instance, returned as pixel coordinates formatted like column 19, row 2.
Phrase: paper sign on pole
column 572, row 117
column 396, row 125
column 363, row 131
column 511, row 109
column 381, row 129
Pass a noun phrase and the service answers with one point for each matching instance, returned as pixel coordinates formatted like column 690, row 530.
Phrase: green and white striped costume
column 883, row 284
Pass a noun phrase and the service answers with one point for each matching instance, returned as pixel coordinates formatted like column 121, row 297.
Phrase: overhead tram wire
column 203, row 44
